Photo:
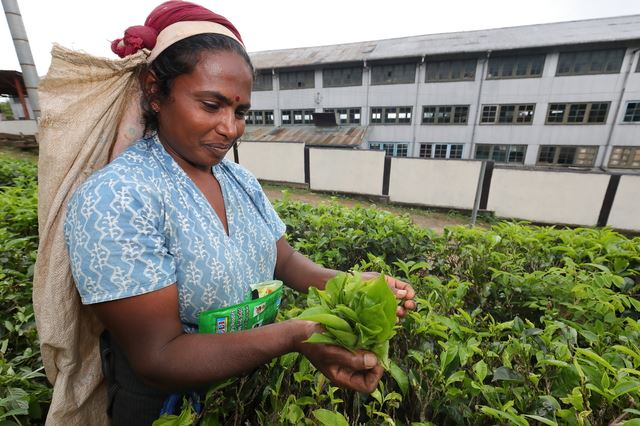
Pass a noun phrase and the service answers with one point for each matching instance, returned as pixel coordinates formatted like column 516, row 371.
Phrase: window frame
column 634, row 114
column 252, row 114
column 304, row 73
column 592, row 52
column 258, row 77
column 292, row 114
column 385, row 111
column 387, row 81
column 633, row 157
column 510, row 149
column 567, row 112
column 452, row 115
column 382, row 146
column 517, row 108
column 349, row 112
column 433, row 147
column 558, row 152
column 503, row 60
column 328, row 70
column 463, row 70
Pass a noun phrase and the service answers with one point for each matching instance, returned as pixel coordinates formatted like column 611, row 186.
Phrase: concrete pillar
column 21, row 44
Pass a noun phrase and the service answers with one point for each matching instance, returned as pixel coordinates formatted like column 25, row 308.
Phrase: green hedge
column 517, row 324
column 24, row 392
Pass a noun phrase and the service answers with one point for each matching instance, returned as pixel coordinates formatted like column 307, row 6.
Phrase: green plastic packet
column 259, row 308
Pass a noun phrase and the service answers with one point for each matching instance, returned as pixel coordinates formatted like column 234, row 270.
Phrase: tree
column 5, row 109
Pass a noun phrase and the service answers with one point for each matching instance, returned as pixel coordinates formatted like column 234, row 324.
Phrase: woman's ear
column 150, row 84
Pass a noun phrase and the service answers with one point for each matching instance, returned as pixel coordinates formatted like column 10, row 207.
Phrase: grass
column 18, row 154
column 423, row 216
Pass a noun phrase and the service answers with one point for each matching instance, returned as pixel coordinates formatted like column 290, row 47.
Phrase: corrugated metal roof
column 345, row 136
column 619, row 28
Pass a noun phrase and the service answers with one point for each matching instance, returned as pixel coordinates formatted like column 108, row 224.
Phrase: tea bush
column 24, row 392
column 517, row 324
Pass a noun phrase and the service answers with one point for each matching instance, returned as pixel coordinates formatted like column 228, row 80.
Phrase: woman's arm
column 148, row 329
column 299, row 273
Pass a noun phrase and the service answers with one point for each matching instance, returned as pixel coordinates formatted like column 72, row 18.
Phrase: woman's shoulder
column 133, row 170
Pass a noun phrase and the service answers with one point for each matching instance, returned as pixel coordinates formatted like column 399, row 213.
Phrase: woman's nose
column 227, row 125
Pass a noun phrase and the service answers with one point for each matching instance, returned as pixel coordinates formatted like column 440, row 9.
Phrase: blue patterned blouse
column 141, row 224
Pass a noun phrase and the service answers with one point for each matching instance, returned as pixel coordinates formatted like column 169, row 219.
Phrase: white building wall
column 18, row 127
column 344, row 97
column 275, row 161
column 438, row 183
column 546, row 196
column 263, row 100
column 357, row 172
column 625, row 211
column 298, row 99
column 555, row 197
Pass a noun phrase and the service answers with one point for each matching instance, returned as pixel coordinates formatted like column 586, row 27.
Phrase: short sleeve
column 113, row 229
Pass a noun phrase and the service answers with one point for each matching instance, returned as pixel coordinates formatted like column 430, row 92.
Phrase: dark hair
column 181, row 58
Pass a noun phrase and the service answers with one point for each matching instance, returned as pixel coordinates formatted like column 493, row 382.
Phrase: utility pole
column 21, row 44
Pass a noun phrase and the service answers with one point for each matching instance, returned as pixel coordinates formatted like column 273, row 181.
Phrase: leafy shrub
column 338, row 237
column 24, row 392
column 517, row 324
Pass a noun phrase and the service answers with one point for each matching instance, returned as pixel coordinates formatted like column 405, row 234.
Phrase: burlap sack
column 83, row 101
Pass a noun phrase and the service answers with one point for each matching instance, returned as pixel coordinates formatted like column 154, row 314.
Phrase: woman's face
column 204, row 113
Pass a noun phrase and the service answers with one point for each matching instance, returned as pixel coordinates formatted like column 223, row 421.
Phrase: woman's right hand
column 359, row 371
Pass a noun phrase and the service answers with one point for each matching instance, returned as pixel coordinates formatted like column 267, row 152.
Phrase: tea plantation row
column 515, row 325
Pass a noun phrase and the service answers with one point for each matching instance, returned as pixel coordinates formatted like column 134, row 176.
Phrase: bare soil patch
column 434, row 220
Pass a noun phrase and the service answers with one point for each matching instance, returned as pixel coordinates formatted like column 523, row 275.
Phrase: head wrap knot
column 135, row 38
column 170, row 12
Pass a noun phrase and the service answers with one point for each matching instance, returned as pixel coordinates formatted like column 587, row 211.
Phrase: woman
column 170, row 229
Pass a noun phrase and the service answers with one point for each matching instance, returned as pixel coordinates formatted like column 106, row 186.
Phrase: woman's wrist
column 300, row 331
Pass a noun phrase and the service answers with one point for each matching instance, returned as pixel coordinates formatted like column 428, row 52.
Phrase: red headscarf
column 170, row 12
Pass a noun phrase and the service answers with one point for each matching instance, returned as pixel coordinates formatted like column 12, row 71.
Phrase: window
column 632, row 113
column 625, row 157
column 262, row 81
column 578, row 113
column 297, row 80
column 590, row 62
column 441, row 150
column 346, row 115
column 501, row 153
column 393, row 73
column 297, row 116
column 393, row 149
column 515, row 66
column 340, row 77
column 567, row 155
column 259, row 118
column 391, row 115
column 451, row 70
column 507, row 114
column 445, row 114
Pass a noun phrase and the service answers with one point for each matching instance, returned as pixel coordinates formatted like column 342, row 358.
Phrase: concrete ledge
column 19, row 127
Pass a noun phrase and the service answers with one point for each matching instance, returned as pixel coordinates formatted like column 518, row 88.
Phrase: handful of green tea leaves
column 356, row 314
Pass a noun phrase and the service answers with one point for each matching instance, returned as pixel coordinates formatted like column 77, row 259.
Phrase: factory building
column 551, row 95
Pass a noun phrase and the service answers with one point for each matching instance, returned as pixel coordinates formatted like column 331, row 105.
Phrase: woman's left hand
column 402, row 291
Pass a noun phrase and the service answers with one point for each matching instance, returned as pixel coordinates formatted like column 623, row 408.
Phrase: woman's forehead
column 220, row 63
